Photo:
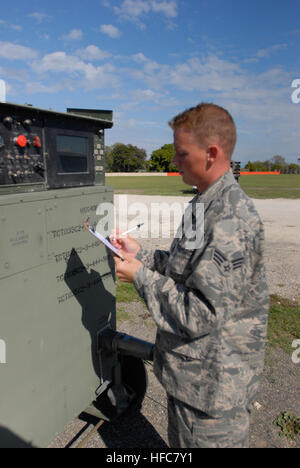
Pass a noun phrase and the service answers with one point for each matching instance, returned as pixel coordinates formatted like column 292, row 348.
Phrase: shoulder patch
column 226, row 266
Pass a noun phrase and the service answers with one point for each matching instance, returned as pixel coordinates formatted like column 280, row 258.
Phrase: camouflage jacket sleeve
column 201, row 288
column 155, row 260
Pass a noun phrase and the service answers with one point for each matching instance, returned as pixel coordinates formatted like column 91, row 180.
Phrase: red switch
column 21, row 141
column 37, row 142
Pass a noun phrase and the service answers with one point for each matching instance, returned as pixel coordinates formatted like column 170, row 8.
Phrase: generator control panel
column 43, row 149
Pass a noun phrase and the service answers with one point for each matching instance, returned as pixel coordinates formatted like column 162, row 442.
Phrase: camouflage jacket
column 211, row 305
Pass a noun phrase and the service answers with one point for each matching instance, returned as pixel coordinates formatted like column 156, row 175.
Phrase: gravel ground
column 279, row 389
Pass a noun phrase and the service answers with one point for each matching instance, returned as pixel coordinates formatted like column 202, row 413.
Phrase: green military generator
column 60, row 353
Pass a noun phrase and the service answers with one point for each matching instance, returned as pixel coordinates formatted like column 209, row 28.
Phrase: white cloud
column 139, row 57
column 151, row 73
column 11, row 51
column 265, row 53
column 169, row 9
column 73, row 35
column 196, row 74
column 135, row 10
column 138, row 8
column 260, row 101
column 59, row 62
column 12, row 74
column 163, row 98
column 16, row 27
column 110, row 30
column 270, row 50
column 147, row 94
column 209, row 73
column 94, row 77
column 44, row 36
column 39, row 17
column 92, row 53
column 37, row 87
column 253, row 97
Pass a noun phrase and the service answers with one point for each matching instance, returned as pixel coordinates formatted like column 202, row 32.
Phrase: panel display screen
column 72, row 154
column 71, row 144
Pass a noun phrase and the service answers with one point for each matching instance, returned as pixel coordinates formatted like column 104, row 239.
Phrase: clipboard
column 96, row 234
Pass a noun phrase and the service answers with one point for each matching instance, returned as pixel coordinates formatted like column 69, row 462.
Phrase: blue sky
column 147, row 60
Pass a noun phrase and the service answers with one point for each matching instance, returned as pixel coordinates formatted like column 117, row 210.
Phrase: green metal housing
column 60, row 353
column 57, row 291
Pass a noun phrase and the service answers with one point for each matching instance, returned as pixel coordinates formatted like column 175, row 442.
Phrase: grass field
column 284, row 323
column 271, row 186
column 256, row 186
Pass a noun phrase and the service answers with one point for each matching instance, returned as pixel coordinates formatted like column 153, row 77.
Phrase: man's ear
column 212, row 153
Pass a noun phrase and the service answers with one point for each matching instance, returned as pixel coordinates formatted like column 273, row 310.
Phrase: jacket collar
column 217, row 187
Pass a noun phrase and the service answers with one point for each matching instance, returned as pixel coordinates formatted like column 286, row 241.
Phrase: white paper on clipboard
column 103, row 240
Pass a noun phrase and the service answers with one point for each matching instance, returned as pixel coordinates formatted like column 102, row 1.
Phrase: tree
column 161, row 159
column 293, row 168
column 278, row 163
column 250, row 166
column 279, row 160
column 126, row 158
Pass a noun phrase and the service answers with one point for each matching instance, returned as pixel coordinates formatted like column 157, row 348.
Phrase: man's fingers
column 120, row 261
column 122, row 278
column 119, row 272
column 127, row 257
column 114, row 235
column 116, row 241
column 117, row 259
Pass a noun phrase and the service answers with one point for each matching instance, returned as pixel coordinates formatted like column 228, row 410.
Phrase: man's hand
column 125, row 244
column 127, row 268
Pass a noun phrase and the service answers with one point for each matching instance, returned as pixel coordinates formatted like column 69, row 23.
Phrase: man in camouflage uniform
column 210, row 303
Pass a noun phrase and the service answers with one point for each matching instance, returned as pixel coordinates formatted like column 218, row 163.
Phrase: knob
column 39, row 168
column 8, row 120
column 21, row 141
column 27, row 123
column 37, row 142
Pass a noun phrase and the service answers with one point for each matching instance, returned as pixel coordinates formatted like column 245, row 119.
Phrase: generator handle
column 116, row 342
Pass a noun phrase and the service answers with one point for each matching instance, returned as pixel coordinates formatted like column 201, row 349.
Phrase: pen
column 133, row 229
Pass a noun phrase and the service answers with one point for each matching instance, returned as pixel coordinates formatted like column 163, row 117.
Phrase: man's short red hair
column 211, row 124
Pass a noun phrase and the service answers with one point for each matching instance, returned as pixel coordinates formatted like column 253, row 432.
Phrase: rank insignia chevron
column 224, row 264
